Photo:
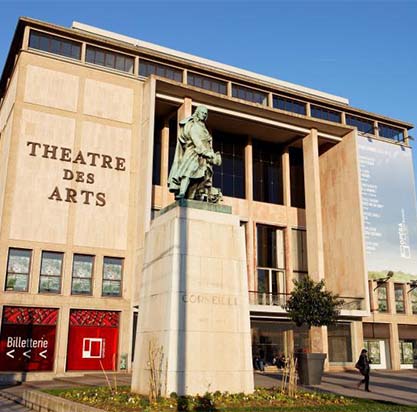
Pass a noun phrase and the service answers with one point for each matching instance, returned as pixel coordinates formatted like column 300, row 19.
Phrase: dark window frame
column 113, row 281
column 382, row 301
column 36, row 38
column 148, row 67
column 249, row 94
column 361, row 123
column 231, row 173
column 93, row 51
column 207, row 83
column 390, row 132
column 289, row 104
column 399, row 303
column 82, row 293
column 325, row 113
column 8, row 273
column 42, row 275
column 266, row 162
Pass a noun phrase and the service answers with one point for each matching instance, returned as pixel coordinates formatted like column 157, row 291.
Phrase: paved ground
column 396, row 387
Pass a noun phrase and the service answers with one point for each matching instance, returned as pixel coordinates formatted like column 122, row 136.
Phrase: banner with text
column 389, row 209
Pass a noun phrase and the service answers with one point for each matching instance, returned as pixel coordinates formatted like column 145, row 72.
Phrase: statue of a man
column 191, row 174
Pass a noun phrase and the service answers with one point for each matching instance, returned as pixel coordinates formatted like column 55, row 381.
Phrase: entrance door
column 377, row 353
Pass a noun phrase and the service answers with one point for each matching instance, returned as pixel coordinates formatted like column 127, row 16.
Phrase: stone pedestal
column 194, row 303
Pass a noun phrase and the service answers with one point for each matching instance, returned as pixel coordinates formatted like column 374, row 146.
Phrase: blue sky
column 362, row 50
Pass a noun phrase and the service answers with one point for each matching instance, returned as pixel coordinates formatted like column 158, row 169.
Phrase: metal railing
column 267, row 299
column 352, row 303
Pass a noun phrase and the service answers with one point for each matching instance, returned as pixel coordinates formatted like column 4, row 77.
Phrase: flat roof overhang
column 248, row 118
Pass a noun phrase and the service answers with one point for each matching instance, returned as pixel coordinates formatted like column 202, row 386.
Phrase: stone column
column 394, row 346
column 164, row 162
column 318, row 335
column 250, row 235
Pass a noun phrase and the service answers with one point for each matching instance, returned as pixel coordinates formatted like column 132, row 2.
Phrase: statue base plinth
column 194, row 302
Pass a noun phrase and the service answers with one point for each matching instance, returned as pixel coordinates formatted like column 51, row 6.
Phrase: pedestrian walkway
column 389, row 386
column 399, row 387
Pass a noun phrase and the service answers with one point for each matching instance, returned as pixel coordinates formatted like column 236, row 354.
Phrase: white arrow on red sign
column 43, row 353
column 10, row 353
column 27, row 353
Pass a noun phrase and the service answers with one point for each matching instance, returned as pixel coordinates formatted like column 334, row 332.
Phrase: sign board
column 389, row 209
column 27, row 340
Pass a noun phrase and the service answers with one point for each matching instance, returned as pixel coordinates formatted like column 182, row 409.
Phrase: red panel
column 26, row 348
column 15, row 315
column 92, row 347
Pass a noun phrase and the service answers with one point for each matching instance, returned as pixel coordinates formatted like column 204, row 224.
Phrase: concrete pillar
column 394, row 346
column 185, row 109
column 164, row 163
column 357, row 340
column 318, row 335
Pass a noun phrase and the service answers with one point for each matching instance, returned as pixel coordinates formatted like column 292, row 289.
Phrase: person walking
column 363, row 365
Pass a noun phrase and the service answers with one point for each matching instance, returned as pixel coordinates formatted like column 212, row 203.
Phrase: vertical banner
column 389, row 209
column 27, row 340
column 92, row 341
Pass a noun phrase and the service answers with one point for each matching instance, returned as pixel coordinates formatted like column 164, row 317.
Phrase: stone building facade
column 88, row 125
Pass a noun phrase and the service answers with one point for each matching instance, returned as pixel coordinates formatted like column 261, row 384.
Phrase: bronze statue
column 191, row 174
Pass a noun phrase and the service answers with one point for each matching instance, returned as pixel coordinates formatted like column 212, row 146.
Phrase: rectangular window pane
column 299, row 252
column 340, row 342
column 229, row 175
column 363, row 125
column 107, row 58
column 146, row 68
column 82, row 272
column 207, row 83
column 267, row 172
column 55, row 44
column 251, row 95
column 51, row 272
column 326, row 114
column 290, row 105
column 390, row 132
column 297, row 177
column 382, row 298
column 18, row 267
column 112, row 276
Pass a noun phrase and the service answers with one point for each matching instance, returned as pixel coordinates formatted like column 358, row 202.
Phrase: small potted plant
column 311, row 305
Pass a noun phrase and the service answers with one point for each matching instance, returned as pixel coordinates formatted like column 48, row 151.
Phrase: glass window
column 270, row 265
column 340, row 342
column 413, row 298
column 54, row 44
column 109, row 58
column 82, row 274
column 299, row 253
column 363, row 125
column 18, row 269
column 230, row 175
column 297, row 177
column 382, row 298
column 251, row 95
column 289, row 105
column 326, row 114
column 156, row 163
column 267, row 173
column 207, row 83
column 407, row 352
column 146, row 68
column 112, row 276
column 399, row 298
column 51, row 272
column 391, row 132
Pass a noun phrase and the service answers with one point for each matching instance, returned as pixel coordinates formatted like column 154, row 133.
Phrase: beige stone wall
column 75, row 108
column 343, row 241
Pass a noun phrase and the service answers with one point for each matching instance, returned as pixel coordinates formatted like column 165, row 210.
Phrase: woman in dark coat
column 363, row 365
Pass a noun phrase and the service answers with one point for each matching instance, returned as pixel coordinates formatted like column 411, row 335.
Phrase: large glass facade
column 267, row 173
column 270, row 265
column 297, row 177
column 230, row 176
column 299, row 253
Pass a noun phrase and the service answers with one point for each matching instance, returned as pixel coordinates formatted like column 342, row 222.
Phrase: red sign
column 92, row 341
column 27, row 340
